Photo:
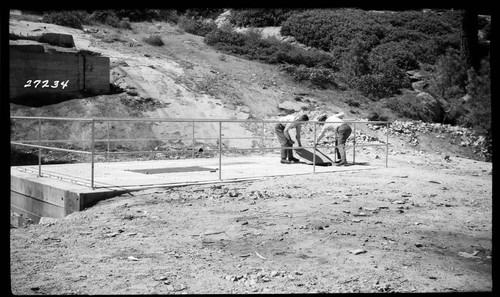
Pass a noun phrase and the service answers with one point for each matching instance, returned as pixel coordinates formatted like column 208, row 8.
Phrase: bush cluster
column 308, row 66
column 72, row 19
column 317, row 77
column 428, row 33
column 109, row 17
column 138, row 15
column 260, row 17
column 410, row 107
column 168, row 15
column 252, row 45
column 196, row 26
column 449, row 77
column 78, row 18
column 479, row 105
column 388, row 81
column 372, row 49
column 153, row 40
column 377, row 115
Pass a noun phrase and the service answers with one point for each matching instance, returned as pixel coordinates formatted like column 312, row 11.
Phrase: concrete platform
column 65, row 188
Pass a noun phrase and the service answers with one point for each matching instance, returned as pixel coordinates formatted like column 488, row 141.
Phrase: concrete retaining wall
column 35, row 197
column 39, row 78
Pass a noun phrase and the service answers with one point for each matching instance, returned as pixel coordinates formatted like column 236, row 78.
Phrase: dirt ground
column 424, row 224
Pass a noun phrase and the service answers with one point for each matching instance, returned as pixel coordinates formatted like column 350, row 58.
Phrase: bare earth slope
column 184, row 78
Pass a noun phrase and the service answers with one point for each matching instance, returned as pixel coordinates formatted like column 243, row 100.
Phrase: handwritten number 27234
column 46, row 84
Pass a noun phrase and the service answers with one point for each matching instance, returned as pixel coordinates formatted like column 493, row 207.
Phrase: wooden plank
column 306, row 153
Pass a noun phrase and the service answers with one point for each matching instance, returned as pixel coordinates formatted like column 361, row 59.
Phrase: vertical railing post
column 335, row 147
column 220, row 150
column 354, row 144
column 192, row 145
column 262, row 138
column 92, row 155
column 314, row 149
column 387, row 145
column 39, row 148
column 107, row 148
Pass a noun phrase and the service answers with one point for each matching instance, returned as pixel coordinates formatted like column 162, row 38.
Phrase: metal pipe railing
column 220, row 149
column 180, row 120
column 50, row 148
column 39, row 148
column 92, row 155
column 354, row 143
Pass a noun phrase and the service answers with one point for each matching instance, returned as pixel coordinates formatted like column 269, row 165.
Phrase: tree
column 469, row 42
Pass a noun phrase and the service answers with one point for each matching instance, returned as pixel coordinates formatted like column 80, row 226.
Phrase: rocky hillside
column 185, row 78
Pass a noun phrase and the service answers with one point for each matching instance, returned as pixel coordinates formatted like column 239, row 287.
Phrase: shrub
column 197, row 13
column 70, row 19
column 410, row 107
column 330, row 29
column 352, row 102
column 124, row 24
column 138, row 15
column 252, row 45
column 377, row 115
column 196, row 26
column 153, row 40
column 298, row 56
column 398, row 52
column 317, row 77
column 479, row 90
column 388, row 82
column 355, row 61
column 260, row 17
column 264, row 49
column 107, row 17
column 224, row 36
column 169, row 15
column 450, row 76
column 427, row 35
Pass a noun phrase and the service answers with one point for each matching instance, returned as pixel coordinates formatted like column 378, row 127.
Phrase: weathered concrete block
column 57, row 39
column 30, row 48
column 38, row 78
column 97, row 74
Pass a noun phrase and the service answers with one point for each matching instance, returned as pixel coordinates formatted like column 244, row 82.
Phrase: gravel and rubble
column 410, row 130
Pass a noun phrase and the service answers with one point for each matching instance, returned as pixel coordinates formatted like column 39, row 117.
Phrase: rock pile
column 262, row 276
column 412, row 129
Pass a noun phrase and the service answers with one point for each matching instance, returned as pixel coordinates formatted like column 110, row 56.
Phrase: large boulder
column 432, row 108
column 292, row 106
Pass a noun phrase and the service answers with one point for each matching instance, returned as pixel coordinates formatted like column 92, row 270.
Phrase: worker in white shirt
column 282, row 131
column 342, row 130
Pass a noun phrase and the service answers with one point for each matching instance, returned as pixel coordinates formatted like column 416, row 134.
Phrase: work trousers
column 284, row 142
column 342, row 133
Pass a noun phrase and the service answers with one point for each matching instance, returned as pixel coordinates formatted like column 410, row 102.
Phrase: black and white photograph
column 249, row 150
